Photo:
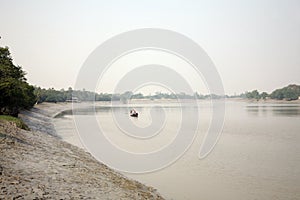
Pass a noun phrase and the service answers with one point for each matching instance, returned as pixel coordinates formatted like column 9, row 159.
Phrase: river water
column 256, row 157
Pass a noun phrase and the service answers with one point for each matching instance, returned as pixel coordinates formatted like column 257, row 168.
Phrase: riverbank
column 36, row 164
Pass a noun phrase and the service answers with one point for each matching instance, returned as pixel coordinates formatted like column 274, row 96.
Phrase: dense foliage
column 291, row 92
column 15, row 92
column 253, row 95
column 52, row 95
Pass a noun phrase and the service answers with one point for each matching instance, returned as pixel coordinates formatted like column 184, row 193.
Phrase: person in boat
column 133, row 113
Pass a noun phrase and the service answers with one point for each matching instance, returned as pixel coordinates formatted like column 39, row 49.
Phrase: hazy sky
column 254, row 44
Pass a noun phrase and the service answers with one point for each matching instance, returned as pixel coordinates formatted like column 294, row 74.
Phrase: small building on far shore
column 74, row 100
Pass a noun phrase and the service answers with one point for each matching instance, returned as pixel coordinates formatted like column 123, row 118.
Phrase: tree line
column 288, row 93
column 52, row 95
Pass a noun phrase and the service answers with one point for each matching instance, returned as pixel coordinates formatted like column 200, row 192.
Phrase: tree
column 253, row 95
column 16, row 93
column 264, row 95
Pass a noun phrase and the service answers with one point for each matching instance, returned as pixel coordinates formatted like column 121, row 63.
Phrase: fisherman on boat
column 133, row 113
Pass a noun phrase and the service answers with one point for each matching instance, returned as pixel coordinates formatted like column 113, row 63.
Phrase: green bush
column 19, row 123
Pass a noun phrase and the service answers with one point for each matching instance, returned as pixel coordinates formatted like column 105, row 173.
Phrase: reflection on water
column 257, row 156
column 287, row 110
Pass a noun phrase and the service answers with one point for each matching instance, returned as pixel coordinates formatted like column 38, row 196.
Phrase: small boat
column 133, row 113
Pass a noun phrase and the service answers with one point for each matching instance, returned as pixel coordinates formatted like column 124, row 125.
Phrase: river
column 256, row 157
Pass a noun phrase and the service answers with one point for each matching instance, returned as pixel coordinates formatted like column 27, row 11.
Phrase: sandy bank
column 38, row 165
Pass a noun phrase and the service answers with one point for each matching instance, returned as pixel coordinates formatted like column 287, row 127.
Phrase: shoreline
column 38, row 164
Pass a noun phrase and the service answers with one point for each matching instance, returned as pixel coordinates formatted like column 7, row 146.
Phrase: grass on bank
column 19, row 123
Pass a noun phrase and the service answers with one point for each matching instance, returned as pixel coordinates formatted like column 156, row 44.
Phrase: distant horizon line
column 168, row 93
